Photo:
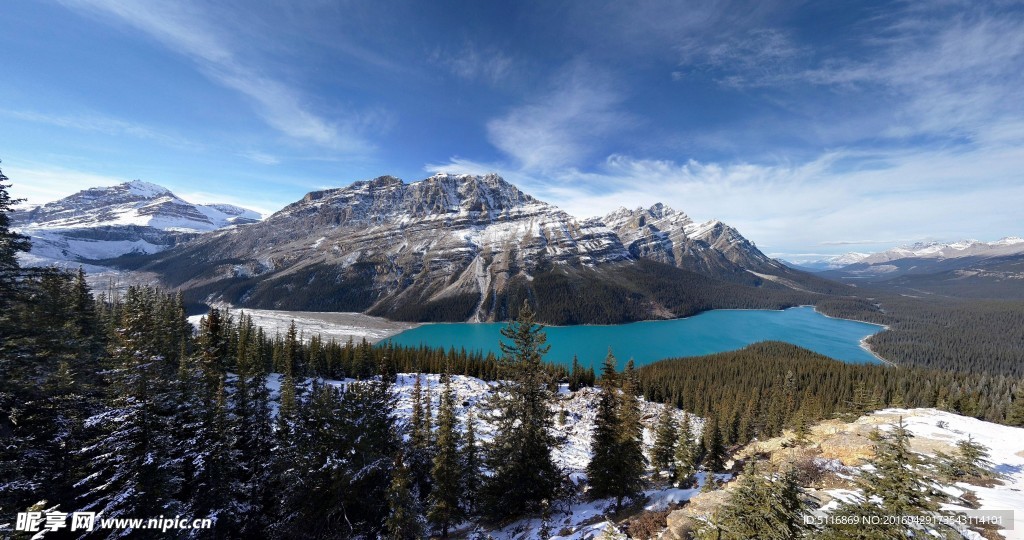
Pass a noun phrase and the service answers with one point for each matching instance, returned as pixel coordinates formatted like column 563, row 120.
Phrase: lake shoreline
column 708, row 332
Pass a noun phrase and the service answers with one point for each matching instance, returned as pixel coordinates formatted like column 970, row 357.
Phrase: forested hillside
column 964, row 335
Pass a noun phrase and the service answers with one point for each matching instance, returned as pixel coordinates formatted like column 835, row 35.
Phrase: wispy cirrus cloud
column 905, row 195
column 102, row 124
column 475, row 63
column 561, row 127
column 186, row 28
column 262, row 158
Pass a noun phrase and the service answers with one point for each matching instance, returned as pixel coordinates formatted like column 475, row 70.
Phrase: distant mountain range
column 877, row 263
column 969, row 268
column 462, row 247
column 105, row 222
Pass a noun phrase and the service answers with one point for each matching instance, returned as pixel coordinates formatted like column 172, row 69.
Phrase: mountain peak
column 148, row 190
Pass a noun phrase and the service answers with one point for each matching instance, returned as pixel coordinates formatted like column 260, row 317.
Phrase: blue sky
column 814, row 128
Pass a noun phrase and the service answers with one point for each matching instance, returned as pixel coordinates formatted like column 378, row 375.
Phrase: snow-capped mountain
column 106, row 222
column 968, row 268
column 662, row 234
column 935, row 250
column 1010, row 245
column 452, row 247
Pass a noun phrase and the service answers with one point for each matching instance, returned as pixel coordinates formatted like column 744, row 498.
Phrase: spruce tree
column 128, row 473
column 666, row 436
column 11, row 243
column 575, row 375
column 759, row 507
column 714, row 448
column 471, row 465
column 404, row 520
column 893, row 486
column 617, row 462
column 603, row 470
column 1015, row 414
column 445, row 503
column 685, row 457
column 970, row 462
column 523, row 473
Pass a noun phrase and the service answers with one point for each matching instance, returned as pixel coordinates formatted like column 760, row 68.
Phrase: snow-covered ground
column 1006, row 452
column 934, row 431
column 583, row 518
column 329, row 325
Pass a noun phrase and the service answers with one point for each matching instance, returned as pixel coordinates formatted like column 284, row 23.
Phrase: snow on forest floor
column 932, row 430
column 339, row 326
column 571, row 455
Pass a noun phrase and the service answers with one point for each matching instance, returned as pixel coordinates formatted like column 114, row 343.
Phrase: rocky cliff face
column 662, row 234
column 456, row 247
column 105, row 222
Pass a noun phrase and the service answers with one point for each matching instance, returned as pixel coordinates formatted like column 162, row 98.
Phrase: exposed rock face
column 458, row 247
column 134, row 217
column 662, row 234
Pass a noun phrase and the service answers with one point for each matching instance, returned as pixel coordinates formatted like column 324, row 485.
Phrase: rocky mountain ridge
column 463, row 247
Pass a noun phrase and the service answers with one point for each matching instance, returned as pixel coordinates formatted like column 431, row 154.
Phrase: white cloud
column 261, row 157
column 40, row 184
column 473, row 63
column 785, row 207
column 185, row 28
column 561, row 127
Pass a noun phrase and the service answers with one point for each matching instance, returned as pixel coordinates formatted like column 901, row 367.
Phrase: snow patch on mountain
column 106, row 222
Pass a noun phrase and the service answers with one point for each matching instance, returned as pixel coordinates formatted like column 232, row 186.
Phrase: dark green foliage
column 714, row 447
column 471, row 463
column 894, row 487
column 751, row 381
column 11, row 243
column 626, row 292
column 617, row 461
column 969, row 336
column 405, row 517
column 453, row 308
column 763, row 507
column 666, row 436
column 970, row 463
column 523, row 474
column 685, row 458
column 445, row 502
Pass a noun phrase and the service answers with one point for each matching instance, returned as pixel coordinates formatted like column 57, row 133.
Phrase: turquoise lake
column 649, row 341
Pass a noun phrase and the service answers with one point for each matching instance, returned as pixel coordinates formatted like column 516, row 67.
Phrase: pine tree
column 1015, row 414
column 714, row 448
column 420, row 453
column 970, row 461
column 893, row 486
column 255, row 429
column 685, row 457
column 666, row 435
column 128, row 473
column 602, row 471
column 631, row 433
column 11, row 243
column 576, row 375
column 759, row 507
column 523, row 472
column 617, row 461
column 471, row 465
column 404, row 520
column 445, row 502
